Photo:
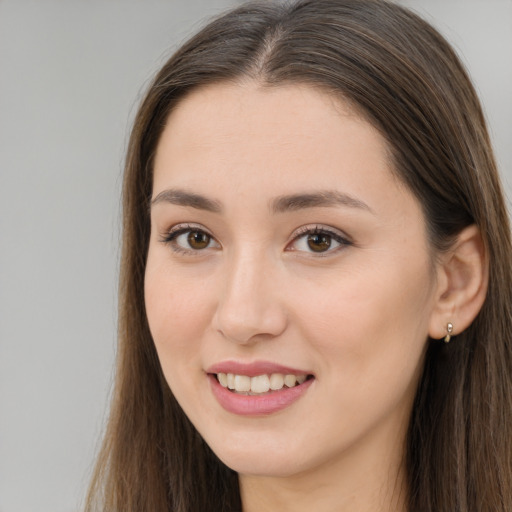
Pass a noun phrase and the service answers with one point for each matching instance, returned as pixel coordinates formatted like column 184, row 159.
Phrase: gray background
column 71, row 73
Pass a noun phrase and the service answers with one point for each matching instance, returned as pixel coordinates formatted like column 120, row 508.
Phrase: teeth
column 242, row 383
column 276, row 381
column 260, row 383
column 223, row 379
column 289, row 380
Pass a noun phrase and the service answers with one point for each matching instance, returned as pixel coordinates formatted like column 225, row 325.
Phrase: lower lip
column 254, row 405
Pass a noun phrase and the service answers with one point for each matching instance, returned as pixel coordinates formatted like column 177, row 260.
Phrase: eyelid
column 340, row 237
column 337, row 235
column 183, row 227
column 320, row 228
column 171, row 234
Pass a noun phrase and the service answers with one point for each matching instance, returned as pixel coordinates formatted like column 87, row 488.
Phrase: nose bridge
column 249, row 305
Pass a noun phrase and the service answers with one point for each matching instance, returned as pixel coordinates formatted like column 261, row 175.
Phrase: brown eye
column 190, row 240
column 319, row 242
column 198, row 240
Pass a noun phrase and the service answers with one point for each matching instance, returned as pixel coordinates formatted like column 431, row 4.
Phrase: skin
column 356, row 316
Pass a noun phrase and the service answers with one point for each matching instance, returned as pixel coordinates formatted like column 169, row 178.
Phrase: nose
column 250, row 307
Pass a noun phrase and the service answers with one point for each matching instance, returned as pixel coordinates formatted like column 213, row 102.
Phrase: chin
column 260, row 458
column 257, row 465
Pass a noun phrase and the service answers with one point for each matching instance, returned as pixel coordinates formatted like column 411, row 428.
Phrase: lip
column 256, row 405
column 254, row 369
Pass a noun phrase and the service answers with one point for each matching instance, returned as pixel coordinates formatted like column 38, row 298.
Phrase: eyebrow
column 324, row 198
column 281, row 204
column 184, row 198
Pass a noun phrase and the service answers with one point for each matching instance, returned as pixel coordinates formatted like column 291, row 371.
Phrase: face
column 287, row 262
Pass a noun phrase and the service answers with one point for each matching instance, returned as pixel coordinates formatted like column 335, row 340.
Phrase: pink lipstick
column 258, row 388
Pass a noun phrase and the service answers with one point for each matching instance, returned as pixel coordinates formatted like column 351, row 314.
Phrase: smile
column 259, row 393
column 260, row 384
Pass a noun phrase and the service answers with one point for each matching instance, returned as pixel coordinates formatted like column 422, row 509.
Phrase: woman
column 315, row 290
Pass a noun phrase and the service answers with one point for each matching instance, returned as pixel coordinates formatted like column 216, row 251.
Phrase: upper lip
column 254, row 369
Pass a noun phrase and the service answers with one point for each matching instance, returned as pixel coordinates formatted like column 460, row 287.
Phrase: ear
column 462, row 278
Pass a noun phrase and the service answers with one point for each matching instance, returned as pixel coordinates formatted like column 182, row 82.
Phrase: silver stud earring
column 449, row 330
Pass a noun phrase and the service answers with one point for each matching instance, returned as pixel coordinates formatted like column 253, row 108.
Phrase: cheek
column 178, row 309
column 371, row 324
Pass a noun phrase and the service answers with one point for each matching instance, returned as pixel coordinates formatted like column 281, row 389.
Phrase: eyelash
column 171, row 236
column 181, row 229
column 335, row 235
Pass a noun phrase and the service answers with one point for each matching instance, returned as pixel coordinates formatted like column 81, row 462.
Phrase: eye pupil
column 319, row 242
column 198, row 240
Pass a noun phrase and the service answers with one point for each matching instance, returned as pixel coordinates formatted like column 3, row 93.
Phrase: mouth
column 260, row 385
column 258, row 388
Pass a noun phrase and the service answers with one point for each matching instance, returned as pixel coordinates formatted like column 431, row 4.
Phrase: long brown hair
column 406, row 80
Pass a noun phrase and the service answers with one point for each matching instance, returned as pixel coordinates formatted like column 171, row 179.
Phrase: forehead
column 251, row 129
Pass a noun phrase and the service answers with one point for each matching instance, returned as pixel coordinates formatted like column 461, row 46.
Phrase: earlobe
column 462, row 284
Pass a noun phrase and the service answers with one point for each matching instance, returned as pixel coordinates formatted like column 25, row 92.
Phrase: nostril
column 246, row 326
